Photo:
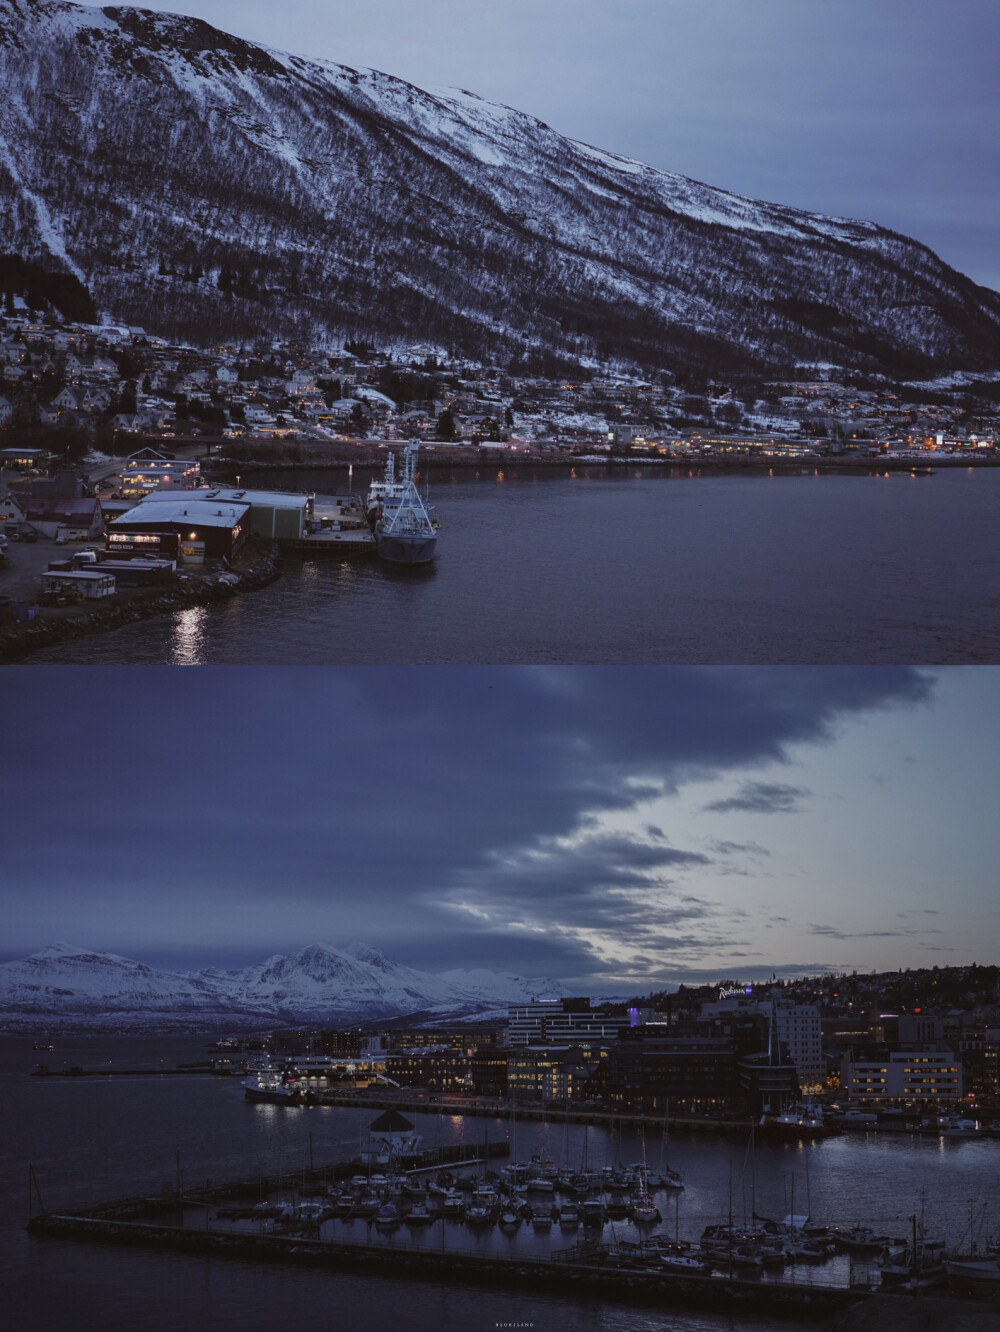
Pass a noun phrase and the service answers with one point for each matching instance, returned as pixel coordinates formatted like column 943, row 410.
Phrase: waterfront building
column 391, row 1137
column 925, row 1076
column 436, row 1068
column 555, row 1073
column 696, row 1074
column 273, row 514
column 488, row 1069
column 202, row 531
column 466, row 1038
column 344, row 1041
column 769, row 1085
column 142, row 476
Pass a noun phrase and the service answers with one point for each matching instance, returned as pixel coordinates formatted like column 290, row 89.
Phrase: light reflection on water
column 188, row 634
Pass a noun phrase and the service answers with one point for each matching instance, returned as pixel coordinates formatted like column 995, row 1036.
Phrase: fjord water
column 95, row 1139
column 630, row 564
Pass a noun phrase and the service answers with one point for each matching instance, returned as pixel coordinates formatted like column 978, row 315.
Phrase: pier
column 583, row 1269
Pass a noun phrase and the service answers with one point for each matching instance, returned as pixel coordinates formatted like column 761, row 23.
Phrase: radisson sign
column 735, row 991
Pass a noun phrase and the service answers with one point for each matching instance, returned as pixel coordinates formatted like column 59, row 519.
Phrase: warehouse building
column 274, row 514
column 201, row 530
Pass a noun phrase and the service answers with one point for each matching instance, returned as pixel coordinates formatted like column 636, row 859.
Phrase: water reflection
column 188, row 644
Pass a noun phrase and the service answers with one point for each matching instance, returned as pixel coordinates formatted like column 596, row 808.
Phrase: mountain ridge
column 62, row 984
column 198, row 181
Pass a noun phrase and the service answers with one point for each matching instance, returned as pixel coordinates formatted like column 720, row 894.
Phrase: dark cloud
column 235, row 812
column 831, row 932
column 749, row 972
column 761, row 798
column 738, row 848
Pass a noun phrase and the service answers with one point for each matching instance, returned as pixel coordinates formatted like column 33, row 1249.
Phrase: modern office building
column 903, row 1075
column 560, row 1021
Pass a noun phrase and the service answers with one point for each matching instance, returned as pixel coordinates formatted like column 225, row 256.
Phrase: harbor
column 607, row 1207
column 184, row 1175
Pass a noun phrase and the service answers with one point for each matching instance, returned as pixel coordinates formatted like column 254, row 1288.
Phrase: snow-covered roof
column 181, row 511
column 274, row 499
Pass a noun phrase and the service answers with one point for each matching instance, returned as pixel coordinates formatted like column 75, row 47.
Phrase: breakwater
column 580, row 1270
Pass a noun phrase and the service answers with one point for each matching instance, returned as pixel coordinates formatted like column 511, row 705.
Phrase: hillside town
column 85, row 388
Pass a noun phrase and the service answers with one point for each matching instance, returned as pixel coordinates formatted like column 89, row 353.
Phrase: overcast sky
column 880, row 109
column 614, row 828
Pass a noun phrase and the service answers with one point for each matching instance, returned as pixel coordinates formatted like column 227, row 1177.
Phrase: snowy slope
column 321, row 983
column 204, row 185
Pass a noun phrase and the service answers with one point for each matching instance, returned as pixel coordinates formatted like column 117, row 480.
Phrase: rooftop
column 179, row 510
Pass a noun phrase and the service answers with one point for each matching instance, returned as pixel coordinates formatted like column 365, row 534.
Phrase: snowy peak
column 321, row 983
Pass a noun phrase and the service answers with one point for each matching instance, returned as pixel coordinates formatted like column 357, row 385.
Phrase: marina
column 431, row 1222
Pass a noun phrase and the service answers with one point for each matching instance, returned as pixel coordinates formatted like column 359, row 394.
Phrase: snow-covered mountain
column 62, row 984
column 202, row 185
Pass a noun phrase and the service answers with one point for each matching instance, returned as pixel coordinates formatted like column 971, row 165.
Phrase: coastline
column 19, row 640
column 336, row 457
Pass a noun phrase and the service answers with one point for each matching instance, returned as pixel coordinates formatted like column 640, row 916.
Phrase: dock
column 338, row 527
column 344, row 544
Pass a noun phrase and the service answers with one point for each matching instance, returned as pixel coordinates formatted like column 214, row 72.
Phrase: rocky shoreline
column 19, row 640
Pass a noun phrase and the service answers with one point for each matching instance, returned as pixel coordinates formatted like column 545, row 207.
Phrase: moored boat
column 404, row 531
column 974, row 1274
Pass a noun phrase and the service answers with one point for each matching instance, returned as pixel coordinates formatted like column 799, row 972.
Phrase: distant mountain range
column 202, row 186
column 66, row 986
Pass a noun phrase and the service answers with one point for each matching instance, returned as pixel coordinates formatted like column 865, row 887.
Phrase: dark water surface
column 630, row 565
column 94, row 1139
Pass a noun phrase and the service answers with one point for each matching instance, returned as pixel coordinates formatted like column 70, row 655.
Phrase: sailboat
column 644, row 1210
column 665, row 1177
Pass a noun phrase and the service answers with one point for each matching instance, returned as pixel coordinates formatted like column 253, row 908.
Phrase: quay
column 481, row 1107
column 77, row 1071
column 594, row 1116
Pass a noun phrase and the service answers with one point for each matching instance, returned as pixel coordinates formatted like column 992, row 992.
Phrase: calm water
column 94, row 1139
column 631, row 565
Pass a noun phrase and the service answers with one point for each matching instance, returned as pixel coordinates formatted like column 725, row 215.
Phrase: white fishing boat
column 404, row 530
